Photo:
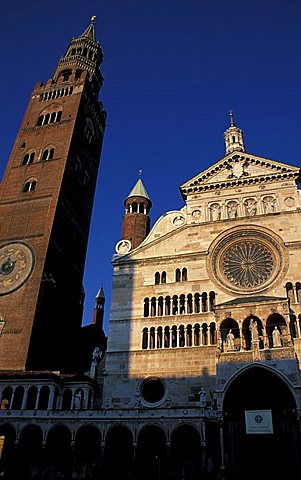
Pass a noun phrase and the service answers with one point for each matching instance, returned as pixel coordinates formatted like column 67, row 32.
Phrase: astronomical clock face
column 246, row 261
column 16, row 265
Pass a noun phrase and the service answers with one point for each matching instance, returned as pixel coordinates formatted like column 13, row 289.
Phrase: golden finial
column 93, row 18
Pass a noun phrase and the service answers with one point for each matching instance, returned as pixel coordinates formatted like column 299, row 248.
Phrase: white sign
column 259, row 422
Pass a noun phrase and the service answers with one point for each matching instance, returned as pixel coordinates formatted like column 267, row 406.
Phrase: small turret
column 99, row 308
column 136, row 222
column 234, row 138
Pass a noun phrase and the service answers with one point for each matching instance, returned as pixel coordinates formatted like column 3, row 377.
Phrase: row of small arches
column 179, row 305
column 90, row 450
column 180, row 276
column 83, row 51
column 179, row 336
column 45, row 398
column 293, row 292
column 47, row 154
column 134, row 207
column 264, row 331
column 61, row 92
column 48, row 118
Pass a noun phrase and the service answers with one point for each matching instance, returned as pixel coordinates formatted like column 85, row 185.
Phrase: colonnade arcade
column 229, row 334
column 88, row 452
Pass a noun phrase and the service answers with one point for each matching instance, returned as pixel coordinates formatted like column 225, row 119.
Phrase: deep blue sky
column 173, row 69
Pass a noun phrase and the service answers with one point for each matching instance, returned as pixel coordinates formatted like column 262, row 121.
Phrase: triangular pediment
column 237, row 168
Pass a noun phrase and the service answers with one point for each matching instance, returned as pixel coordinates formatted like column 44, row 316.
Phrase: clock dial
column 16, row 264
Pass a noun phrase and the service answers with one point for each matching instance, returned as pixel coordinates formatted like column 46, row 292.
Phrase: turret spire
column 234, row 137
column 136, row 221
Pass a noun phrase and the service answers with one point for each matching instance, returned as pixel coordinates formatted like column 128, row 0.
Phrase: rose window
column 246, row 260
column 247, row 264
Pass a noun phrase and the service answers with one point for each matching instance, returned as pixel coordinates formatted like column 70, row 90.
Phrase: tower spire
column 83, row 54
column 234, row 137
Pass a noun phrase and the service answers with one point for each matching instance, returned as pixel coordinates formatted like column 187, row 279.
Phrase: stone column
column 24, row 400
column 51, row 398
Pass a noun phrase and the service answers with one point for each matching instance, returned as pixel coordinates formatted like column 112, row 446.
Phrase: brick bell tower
column 136, row 221
column 46, row 202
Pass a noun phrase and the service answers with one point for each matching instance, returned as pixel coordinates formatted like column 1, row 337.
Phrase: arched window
column 167, row 305
column 160, row 306
column 78, row 74
column 146, row 307
column 189, row 303
column 178, row 275
column 51, row 114
column 157, row 278
column 174, row 336
column 18, row 398
column 211, row 301
column 212, row 330
column 166, row 337
column 31, row 397
column 181, row 336
column 184, row 274
column 205, row 334
column 30, row 186
column 152, row 337
column 28, row 158
column 159, row 337
column 204, row 302
column 174, row 305
column 182, row 304
column 153, row 307
column 196, row 332
column 48, row 154
column 163, row 277
column 189, row 336
column 290, row 292
column 196, row 303
column 67, row 398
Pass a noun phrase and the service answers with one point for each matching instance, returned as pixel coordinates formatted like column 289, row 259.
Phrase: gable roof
column 239, row 169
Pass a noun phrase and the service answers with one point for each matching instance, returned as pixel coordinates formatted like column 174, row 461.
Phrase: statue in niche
column 203, row 397
column 77, row 400
column 254, row 330
column 269, row 204
column 232, row 209
column 276, row 336
column 251, row 207
column 230, row 340
column 215, row 211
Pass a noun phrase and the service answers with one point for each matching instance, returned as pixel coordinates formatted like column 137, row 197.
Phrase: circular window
column 246, row 260
column 247, row 264
column 152, row 390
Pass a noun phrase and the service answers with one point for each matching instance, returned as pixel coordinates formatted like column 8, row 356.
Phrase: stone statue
column 203, row 397
column 232, row 209
column 96, row 355
column 276, row 336
column 215, row 210
column 77, row 400
column 230, row 340
column 269, row 204
column 251, row 208
column 254, row 330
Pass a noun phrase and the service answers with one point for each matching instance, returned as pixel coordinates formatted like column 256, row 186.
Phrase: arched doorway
column 29, row 453
column 87, row 458
column 118, row 454
column 150, row 462
column 185, row 458
column 273, row 452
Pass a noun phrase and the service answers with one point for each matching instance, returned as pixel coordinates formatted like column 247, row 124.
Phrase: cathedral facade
column 201, row 375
